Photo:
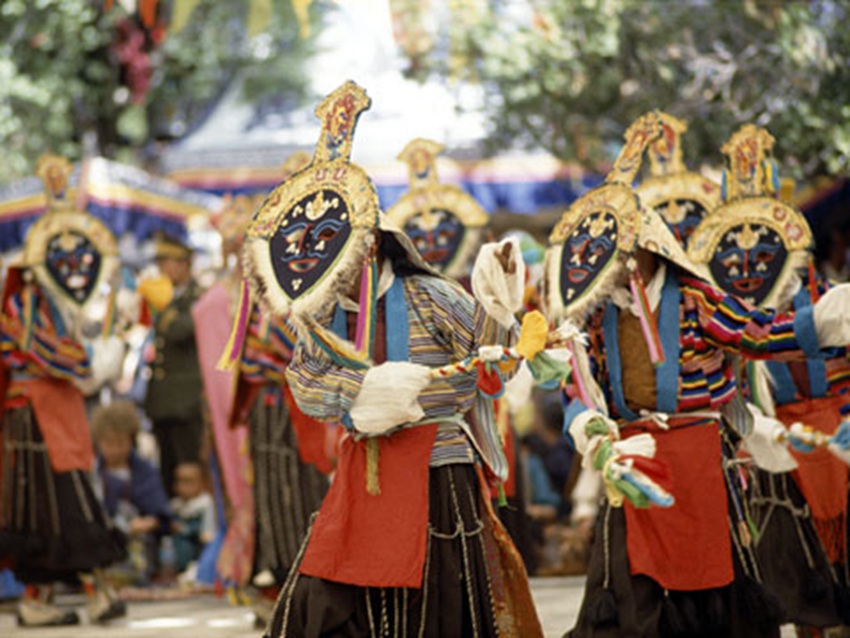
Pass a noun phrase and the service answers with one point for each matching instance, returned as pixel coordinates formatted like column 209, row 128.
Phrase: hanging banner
column 125, row 198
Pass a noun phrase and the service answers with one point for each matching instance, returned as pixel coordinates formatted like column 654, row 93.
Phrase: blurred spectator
column 173, row 400
column 836, row 265
column 194, row 510
column 133, row 494
column 549, row 450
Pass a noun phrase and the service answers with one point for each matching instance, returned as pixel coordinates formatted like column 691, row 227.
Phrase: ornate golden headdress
column 429, row 202
column 750, row 209
column 681, row 197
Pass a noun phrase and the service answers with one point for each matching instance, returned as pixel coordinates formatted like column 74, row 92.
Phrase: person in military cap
column 173, row 400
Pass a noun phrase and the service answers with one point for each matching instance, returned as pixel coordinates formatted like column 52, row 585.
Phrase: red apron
column 685, row 547
column 822, row 477
column 375, row 540
column 60, row 412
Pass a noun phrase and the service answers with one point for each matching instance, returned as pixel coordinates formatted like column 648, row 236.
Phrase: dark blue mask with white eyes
column 73, row 262
column 437, row 243
column 750, row 272
column 588, row 249
column 307, row 246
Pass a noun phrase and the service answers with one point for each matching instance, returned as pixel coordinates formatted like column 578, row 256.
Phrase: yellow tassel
column 532, row 334
column 373, row 485
column 744, row 534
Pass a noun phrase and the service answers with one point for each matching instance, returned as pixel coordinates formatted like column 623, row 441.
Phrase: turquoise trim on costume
column 339, row 325
column 395, row 323
column 804, row 331
column 785, row 390
column 818, row 386
column 667, row 374
column 573, row 409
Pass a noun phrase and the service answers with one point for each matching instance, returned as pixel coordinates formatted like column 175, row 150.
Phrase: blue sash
column 785, row 390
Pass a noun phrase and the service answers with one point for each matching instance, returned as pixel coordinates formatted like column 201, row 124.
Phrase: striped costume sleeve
column 322, row 389
column 55, row 355
column 728, row 323
column 450, row 327
column 461, row 321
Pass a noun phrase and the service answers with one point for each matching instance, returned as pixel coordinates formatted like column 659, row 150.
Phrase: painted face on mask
column 682, row 216
column 587, row 251
column 74, row 264
column 436, row 236
column 748, row 261
column 309, row 241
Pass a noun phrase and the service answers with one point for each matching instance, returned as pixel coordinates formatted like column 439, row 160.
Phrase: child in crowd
column 133, row 493
column 194, row 509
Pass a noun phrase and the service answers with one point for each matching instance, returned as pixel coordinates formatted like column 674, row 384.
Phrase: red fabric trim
column 685, row 547
column 375, row 540
column 822, row 477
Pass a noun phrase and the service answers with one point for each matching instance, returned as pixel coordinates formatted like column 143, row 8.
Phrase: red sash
column 375, row 540
column 822, row 477
column 685, row 547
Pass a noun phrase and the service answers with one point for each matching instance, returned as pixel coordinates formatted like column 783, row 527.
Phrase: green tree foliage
column 570, row 75
column 63, row 85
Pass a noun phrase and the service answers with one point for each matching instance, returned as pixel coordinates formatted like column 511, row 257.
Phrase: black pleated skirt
column 287, row 491
column 51, row 524
column 794, row 565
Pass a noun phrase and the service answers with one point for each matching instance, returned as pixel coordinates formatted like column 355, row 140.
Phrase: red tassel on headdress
column 813, row 282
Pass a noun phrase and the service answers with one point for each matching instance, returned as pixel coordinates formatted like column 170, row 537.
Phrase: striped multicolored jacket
column 712, row 324
column 50, row 352
column 268, row 349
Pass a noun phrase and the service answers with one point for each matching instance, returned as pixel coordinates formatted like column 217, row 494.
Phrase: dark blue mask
column 73, row 263
column 682, row 219
column 587, row 251
column 749, row 272
column 306, row 247
column 437, row 243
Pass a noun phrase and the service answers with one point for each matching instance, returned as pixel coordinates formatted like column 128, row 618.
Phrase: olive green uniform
column 174, row 395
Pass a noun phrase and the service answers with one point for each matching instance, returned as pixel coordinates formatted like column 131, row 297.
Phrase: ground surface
column 557, row 600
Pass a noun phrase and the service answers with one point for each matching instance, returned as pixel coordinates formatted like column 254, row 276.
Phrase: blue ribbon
column 395, row 326
column 785, row 390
